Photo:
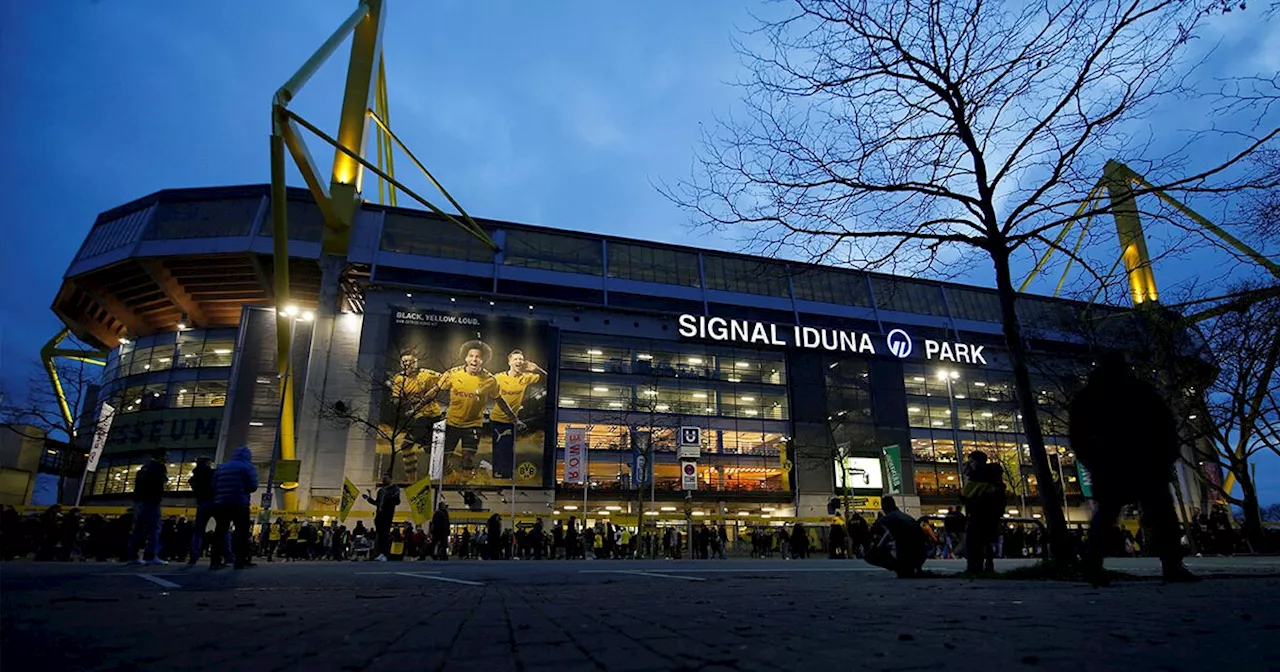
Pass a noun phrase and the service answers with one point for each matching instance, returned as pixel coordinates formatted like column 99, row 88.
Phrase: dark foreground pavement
column 625, row 615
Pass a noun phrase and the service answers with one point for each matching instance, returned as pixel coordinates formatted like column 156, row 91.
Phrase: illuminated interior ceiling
column 140, row 296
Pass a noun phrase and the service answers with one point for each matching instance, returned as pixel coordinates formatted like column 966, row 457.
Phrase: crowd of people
column 1121, row 430
column 66, row 534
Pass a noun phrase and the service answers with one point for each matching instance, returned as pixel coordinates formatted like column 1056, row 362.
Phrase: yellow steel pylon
column 364, row 98
column 1119, row 181
column 49, row 355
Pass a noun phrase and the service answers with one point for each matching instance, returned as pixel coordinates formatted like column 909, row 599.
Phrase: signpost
column 689, row 475
column 688, row 450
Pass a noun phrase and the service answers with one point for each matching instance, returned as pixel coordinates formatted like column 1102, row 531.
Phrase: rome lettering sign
column 897, row 342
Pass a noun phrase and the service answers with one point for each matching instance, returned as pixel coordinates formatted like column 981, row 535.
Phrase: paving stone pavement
column 604, row 616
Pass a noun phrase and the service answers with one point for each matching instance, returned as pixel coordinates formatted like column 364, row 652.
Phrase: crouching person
column 898, row 543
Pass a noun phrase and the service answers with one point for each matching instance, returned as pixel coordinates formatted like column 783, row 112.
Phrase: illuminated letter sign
column 898, row 342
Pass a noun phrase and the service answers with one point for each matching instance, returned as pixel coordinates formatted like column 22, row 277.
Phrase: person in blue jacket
column 233, row 482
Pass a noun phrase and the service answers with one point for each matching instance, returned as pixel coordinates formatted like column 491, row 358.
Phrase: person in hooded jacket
column 1123, row 432
column 233, row 482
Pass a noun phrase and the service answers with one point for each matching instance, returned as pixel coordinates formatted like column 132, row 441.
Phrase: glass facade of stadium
column 805, row 379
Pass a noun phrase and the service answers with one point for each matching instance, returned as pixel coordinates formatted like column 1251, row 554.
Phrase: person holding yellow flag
column 384, row 505
column 512, row 383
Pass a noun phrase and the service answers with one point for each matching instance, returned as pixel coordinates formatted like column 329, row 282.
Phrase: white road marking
column 423, row 575
column 637, row 572
column 751, row 571
column 158, row 581
column 780, row 570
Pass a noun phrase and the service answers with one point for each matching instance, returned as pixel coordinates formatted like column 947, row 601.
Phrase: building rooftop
column 198, row 255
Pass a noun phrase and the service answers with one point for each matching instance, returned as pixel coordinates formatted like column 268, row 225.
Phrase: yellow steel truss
column 49, row 354
column 364, row 98
column 1119, row 180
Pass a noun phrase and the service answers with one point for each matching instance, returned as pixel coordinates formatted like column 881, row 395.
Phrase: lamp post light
column 950, row 376
column 295, row 316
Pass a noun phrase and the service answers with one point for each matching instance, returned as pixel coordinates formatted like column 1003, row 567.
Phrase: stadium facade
column 807, row 381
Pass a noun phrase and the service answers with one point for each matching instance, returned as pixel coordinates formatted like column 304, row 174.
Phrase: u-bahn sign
column 690, row 446
column 897, row 342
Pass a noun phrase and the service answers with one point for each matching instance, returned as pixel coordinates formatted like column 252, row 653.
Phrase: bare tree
column 1261, row 209
column 393, row 408
column 37, row 414
column 1241, row 407
column 1271, row 513
column 884, row 133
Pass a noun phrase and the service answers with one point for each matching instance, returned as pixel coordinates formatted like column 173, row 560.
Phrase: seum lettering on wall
column 175, row 429
column 898, row 342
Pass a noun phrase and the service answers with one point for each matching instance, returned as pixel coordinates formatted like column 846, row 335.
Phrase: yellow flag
column 420, row 498
column 350, row 493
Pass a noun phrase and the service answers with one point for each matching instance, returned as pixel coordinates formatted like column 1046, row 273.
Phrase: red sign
column 690, row 469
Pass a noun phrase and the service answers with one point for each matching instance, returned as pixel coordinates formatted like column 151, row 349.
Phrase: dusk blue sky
column 559, row 113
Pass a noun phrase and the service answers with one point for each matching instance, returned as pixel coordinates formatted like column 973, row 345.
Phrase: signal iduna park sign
column 897, row 342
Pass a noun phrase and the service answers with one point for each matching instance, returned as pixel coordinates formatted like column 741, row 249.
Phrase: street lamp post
column 950, row 376
column 268, row 492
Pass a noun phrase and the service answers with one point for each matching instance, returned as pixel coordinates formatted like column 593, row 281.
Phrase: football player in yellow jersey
column 470, row 388
column 409, row 392
column 512, row 383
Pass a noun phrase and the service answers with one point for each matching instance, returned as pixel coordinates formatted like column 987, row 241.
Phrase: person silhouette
column 1123, row 432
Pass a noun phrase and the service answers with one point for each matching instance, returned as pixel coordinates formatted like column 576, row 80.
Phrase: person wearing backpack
column 148, row 488
column 984, row 499
column 384, row 504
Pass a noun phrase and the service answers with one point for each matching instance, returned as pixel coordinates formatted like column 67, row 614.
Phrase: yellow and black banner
column 350, row 493
column 420, row 499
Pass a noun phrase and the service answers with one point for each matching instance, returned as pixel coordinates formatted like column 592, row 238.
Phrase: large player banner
column 484, row 380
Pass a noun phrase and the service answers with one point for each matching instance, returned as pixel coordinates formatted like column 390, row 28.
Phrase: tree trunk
column 1060, row 547
column 1252, row 528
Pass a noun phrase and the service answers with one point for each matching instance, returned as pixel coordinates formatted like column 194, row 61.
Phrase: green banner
column 893, row 464
column 1086, row 480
